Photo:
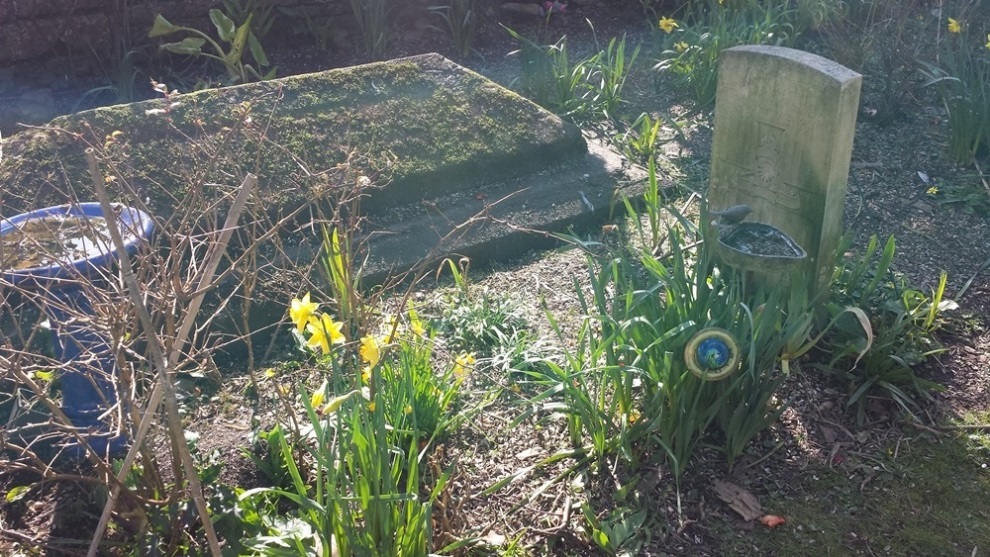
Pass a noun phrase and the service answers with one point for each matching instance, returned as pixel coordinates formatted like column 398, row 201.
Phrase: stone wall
column 35, row 29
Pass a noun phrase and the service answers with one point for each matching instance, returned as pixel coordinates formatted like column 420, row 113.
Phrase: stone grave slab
column 784, row 125
column 445, row 143
column 422, row 126
column 426, row 123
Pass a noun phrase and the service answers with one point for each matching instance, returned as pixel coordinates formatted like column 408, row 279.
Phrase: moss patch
column 931, row 500
column 423, row 125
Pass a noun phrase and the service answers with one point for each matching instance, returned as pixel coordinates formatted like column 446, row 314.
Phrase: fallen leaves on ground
column 739, row 499
column 772, row 520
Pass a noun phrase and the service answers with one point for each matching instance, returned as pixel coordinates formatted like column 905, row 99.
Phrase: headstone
column 784, row 123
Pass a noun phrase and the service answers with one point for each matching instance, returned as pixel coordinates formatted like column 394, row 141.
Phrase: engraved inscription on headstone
column 784, row 123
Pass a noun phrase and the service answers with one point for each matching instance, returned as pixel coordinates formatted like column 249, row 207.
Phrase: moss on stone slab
column 423, row 125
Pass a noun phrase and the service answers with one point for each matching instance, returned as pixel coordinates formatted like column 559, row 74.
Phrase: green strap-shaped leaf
column 240, row 39
column 256, row 51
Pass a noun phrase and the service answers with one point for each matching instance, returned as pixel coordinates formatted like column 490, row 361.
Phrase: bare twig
column 983, row 177
column 960, row 427
column 163, row 388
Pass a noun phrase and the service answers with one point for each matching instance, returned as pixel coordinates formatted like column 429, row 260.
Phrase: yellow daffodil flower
column 366, row 375
column 301, row 310
column 634, row 416
column 681, row 46
column 668, row 25
column 954, row 26
column 463, row 364
column 390, row 329
column 417, row 327
column 336, row 402
column 316, row 399
column 408, row 409
column 324, row 332
column 371, row 406
column 370, row 350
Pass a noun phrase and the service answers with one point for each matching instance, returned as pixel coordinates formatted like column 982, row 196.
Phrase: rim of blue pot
column 135, row 225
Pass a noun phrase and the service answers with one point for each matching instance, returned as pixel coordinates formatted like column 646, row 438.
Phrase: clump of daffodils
column 323, row 331
column 463, row 364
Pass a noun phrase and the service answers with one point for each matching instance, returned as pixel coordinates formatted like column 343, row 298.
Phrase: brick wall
column 33, row 29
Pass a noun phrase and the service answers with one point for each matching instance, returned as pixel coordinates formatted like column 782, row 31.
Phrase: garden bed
column 858, row 479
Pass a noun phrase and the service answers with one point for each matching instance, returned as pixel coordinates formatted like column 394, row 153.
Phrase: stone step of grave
column 448, row 144
column 499, row 221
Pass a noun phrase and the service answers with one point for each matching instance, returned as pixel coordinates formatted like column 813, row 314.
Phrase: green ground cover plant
column 903, row 320
column 372, row 18
column 461, row 19
column 888, row 506
column 579, row 89
column 240, row 40
column 690, row 47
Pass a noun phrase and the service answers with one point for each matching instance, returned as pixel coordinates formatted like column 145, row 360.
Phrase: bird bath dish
column 67, row 241
column 45, row 241
column 762, row 249
column 59, row 254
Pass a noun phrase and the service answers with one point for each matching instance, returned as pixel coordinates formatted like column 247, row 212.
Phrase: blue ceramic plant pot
column 54, row 252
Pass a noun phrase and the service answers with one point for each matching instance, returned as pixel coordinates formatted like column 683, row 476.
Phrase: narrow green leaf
column 256, row 51
column 240, row 40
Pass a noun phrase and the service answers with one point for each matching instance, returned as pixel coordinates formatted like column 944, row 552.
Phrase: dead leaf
column 829, row 434
column 772, row 520
column 494, row 539
column 528, row 453
column 739, row 499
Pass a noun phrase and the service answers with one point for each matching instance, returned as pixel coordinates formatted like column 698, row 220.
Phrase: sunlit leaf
column 17, row 493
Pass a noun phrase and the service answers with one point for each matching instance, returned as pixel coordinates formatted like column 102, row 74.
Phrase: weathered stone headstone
column 784, row 123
